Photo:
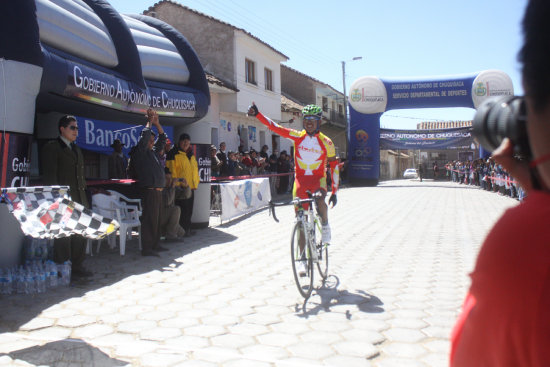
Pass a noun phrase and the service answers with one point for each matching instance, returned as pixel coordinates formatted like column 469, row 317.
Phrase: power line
column 272, row 32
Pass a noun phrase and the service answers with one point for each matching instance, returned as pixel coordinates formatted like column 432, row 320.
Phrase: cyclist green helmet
column 312, row 110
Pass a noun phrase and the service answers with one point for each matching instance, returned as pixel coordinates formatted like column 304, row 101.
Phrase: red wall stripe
column 6, row 142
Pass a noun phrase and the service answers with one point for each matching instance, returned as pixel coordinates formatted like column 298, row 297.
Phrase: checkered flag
column 47, row 212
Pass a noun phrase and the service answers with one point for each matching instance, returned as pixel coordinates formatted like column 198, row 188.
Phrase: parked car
column 410, row 173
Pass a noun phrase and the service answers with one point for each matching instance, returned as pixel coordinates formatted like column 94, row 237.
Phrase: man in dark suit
column 150, row 183
column 63, row 164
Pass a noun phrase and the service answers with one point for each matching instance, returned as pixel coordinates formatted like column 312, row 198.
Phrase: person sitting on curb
column 170, row 215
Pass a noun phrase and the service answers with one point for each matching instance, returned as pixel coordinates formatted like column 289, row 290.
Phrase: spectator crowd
column 226, row 165
column 486, row 174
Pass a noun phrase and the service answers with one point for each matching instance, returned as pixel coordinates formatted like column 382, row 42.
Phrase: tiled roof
column 288, row 104
column 152, row 9
column 222, row 83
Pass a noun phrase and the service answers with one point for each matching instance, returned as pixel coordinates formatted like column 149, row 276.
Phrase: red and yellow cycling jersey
column 311, row 154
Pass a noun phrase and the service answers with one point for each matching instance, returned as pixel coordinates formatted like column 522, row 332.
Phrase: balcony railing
column 337, row 118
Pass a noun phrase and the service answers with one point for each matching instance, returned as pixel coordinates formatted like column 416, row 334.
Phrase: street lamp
column 346, row 99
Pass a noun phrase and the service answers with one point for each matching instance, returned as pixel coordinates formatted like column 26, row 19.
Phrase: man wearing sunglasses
column 312, row 151
column 63, row 164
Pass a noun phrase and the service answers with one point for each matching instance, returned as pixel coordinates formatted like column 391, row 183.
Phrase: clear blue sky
column 395, row 38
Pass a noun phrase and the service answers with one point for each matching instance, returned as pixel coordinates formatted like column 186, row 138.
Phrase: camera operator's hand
column 504, row 155
column 252, row 110
column 332, row 200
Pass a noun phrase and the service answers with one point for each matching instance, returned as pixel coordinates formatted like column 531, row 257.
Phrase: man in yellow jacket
column 183, row 165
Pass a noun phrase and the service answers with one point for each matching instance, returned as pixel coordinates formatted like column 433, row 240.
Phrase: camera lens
column 502, row 117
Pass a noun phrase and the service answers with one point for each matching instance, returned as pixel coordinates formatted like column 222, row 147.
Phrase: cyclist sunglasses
column 312, row 118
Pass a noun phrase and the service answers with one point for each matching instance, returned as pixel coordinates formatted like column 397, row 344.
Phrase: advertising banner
column 93, row 86
column 202, row 155
column 244, row 196
column 429, row 93
column 15, row 164
column 370, row 94
column 98, row 135
column 460, row 138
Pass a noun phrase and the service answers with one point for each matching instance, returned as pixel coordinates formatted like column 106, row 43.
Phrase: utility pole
column 346, row 120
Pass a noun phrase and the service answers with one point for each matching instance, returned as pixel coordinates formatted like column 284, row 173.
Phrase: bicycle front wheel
column 322, row 254
column 302, row 264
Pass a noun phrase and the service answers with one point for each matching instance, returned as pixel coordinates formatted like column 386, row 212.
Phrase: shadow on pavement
column 108, row 268
column 68, row 352
column 330, row 296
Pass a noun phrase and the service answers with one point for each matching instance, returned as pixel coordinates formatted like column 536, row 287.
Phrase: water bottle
column 21, row 280
column 51, row 269
column 41, row 283
column 14, row 280
column 9, row 282
column 49, row 247
column 39, row 276
column 30, row 281
column 4, row 289
column 32, row 268
column 66, row 273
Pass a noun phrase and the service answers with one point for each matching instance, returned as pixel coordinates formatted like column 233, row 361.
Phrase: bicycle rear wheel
column 304, row 282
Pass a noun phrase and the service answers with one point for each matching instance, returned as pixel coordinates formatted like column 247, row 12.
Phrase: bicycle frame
column 310, row 220
column 310, row 217
column 305, row 248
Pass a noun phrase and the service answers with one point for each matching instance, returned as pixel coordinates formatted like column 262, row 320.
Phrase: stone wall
column 212, row 40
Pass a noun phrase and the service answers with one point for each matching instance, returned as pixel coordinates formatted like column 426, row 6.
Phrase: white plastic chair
column 131, row 204
column 126, row 215
column 101, row 204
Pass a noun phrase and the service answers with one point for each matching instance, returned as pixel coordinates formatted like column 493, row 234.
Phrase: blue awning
column 101, row 64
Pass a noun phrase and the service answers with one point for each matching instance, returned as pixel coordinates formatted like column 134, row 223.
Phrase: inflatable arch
column 81, row 57
column 370, row 96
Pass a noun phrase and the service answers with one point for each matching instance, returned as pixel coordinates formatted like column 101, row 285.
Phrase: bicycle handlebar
column 295, row 201
column 272, row 206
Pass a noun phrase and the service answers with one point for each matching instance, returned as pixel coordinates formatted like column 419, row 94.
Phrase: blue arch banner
column 370, row 97
column 458, row 138
column 430, row 93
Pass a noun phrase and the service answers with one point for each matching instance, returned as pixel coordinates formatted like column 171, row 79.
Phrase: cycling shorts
column 308, row 183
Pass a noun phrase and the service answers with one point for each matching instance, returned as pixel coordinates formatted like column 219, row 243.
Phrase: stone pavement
column 226, row 297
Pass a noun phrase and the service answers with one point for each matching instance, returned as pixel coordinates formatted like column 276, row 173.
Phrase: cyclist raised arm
column 312, row 151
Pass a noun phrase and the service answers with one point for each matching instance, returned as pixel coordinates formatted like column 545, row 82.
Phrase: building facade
column 307, row 90
column 239, row 58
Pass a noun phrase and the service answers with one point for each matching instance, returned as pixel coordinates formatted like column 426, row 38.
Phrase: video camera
column 502, row 117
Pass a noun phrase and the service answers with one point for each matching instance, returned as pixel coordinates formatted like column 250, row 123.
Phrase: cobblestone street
column 399, row 267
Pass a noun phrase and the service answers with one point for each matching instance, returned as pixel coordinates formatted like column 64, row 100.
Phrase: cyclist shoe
column 325, row 237
column 302, row 268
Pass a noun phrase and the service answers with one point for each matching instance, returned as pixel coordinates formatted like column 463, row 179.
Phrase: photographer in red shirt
column 506, row 315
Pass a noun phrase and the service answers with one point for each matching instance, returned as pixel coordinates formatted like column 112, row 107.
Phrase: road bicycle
column 306, row 231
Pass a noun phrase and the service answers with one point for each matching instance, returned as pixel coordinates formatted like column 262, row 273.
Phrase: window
column 341, row 110
column 250, row 72
column 268, row 76
column 325, row 104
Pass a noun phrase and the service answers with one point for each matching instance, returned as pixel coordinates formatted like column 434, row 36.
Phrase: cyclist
column 312, row 151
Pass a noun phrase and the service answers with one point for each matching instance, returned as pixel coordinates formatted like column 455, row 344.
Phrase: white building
column 236, row 57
